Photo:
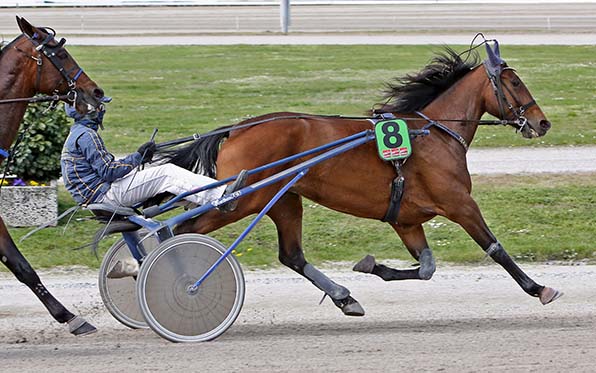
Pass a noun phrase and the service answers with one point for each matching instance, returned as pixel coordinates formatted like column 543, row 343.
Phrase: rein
column 436, row 123
column 197, row 136
column 70, row 96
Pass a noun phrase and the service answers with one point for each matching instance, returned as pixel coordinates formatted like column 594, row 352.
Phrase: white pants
column 138, row 186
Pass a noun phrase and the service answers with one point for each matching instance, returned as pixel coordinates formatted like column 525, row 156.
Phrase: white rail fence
column 95, row 3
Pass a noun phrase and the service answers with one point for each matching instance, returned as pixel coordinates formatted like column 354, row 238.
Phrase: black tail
column 200, row 156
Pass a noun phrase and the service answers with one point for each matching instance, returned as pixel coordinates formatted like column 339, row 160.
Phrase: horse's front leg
column 20, row 267
column 415, row 240
column 467, row 214
column 287, row 216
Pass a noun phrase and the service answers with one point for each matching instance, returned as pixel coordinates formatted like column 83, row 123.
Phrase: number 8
column 391, row 131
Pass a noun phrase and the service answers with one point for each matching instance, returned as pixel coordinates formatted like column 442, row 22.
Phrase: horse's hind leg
column 467, row 214
column 414, row 239
column 18, row 265
column 287, row 216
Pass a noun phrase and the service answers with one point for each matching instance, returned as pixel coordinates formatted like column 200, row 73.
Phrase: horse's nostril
column 545, row 125
column 98, row 92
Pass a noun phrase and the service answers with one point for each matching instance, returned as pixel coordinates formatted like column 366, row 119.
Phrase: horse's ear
column 497, row 51
column 493, row 55
column 26, row 27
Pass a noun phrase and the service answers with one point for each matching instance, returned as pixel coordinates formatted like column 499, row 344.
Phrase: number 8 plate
column 393, row 139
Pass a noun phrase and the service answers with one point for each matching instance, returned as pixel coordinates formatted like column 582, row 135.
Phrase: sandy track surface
column 464, row 319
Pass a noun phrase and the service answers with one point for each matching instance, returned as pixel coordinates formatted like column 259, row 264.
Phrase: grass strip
column 536, row 218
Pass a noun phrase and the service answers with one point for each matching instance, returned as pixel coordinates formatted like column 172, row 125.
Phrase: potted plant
column 28, row 196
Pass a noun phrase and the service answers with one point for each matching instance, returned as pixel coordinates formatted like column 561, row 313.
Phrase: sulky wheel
column 163, row 289
column 119, row 295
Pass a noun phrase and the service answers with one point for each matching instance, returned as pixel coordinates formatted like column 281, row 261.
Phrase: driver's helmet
column 92, row 118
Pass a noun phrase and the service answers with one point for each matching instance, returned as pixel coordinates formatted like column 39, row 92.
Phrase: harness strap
column 397, row 192
column 525, row 107
column 498, row 90
column 50, row 53
column 497, row 85
column 521, row 110
column 77, row 75
column 447, row 130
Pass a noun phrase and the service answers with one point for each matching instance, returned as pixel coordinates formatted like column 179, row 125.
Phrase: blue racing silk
column 88, row 169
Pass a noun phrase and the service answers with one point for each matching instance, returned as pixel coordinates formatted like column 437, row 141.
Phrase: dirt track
column 464, row 319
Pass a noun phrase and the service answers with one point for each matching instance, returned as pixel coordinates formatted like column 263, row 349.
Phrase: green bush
column 37, row 157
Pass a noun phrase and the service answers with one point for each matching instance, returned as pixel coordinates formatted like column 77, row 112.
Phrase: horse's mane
column 414, row 91
column 6, row 44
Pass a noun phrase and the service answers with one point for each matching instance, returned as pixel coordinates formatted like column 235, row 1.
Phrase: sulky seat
column 104, row 210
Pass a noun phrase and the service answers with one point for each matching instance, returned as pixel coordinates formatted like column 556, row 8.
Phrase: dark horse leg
column 287, row 216
column 467, row 214
column 16, row 262
column 414, row 239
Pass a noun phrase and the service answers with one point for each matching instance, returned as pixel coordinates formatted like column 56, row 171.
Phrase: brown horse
column 33, row 63
column 454, row 92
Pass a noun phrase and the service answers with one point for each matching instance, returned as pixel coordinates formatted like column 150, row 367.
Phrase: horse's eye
column 62, row 54
column 516, row 83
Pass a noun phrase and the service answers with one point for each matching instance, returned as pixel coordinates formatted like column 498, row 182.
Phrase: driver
column 93, row 175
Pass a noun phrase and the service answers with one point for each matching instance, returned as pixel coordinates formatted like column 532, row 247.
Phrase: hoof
column 78, row 326
column 349, row 306
column 366, row 265
column 548, row 295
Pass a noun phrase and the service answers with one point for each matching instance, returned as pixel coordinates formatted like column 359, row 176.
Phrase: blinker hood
column 494, row 63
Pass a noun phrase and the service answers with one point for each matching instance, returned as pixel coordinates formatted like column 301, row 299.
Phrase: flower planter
column 28, row 206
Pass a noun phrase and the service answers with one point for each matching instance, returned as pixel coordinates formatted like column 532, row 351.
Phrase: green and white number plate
column 393, row 139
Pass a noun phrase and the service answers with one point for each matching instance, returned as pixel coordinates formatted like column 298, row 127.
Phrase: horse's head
column 53, row 70
column 510, row 99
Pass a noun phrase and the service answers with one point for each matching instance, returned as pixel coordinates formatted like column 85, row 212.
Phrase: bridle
column 494, row 76
column 69, row 76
